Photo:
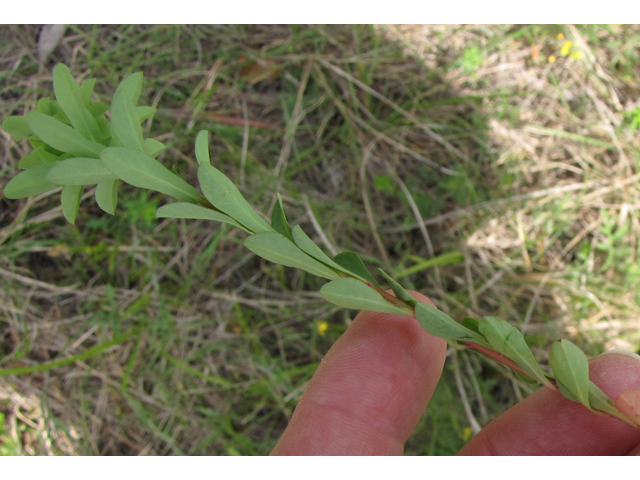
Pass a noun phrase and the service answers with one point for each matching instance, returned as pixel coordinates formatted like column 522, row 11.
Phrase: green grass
column 351, row 125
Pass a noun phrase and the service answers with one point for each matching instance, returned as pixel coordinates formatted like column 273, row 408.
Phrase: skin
column 374, row 384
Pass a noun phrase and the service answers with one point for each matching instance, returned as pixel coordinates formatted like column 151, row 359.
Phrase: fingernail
column 617, row 351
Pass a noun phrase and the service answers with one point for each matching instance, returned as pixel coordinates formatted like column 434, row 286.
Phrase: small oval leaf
column 352, row 293
column 107, row 195
column 202, row 147
column 571, row 368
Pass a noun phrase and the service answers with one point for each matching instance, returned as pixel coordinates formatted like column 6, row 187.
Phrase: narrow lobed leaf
column 140, row 170
column 352, row 293
column 277, row 248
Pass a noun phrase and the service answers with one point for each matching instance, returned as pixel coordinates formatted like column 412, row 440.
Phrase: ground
column 493, row 168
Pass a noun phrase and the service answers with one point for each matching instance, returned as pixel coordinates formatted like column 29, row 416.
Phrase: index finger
column 369, row 391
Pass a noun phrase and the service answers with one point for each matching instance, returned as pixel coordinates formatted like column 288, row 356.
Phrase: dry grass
column 401, row 143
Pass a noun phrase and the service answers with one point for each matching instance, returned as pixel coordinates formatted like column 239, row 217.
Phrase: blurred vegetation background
column 493, row 168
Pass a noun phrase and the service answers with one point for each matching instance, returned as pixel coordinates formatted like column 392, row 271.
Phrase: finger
column 546, row 423
column 369, row 391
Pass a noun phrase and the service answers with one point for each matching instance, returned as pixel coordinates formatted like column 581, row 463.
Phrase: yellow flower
column 565, row 48
column 575, row 55
column 467, row 434
column 552, row 58
column 560, row 36
column 322, row 328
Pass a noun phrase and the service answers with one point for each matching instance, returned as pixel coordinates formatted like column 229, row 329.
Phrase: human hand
column 374, row 384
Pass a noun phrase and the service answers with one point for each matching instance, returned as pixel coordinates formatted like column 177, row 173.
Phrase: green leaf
column 107, row 195
column 224, row 195
column 571, row 367
column 352, row 293
column 507, row 339
column 277, row 248
column 132, row 87
column 44, row 106
column 124, row 122
column 98, row 109
column 196, row 212
column 153, row 147
column 400, row 292
column 202, row 147
column 70, row 197
column 144, row 113
column 62, row 137
column 18, row 128
column 86, row 88
column 278, row 220
column 471, row 324
column 140, row 170
column 439, row 324
column 37, row 157
column 79, row 171
column 30, row 182
column 351, row 261
column 71, row 102
column 308, row 246
column 448, row 258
